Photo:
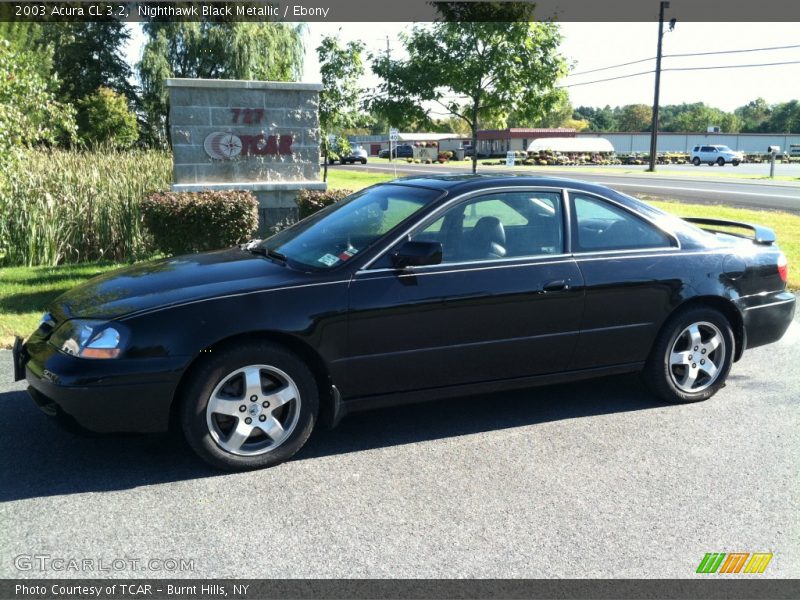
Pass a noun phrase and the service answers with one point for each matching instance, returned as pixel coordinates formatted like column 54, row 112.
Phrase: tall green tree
column 754, row 115
column 266, row 51
column 29, row 110
column 785, row 117
column 635, row 117
column 340, row 67
column 87, row 56
column 474, row 70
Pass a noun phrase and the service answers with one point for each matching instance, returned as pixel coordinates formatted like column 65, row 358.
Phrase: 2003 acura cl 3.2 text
column 412, row 290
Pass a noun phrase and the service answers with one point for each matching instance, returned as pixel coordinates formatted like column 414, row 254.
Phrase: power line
column 608, row 79
column 788, row 62
column 684, row 55
column 772, row 64
column 732, row 51
column 633, row 62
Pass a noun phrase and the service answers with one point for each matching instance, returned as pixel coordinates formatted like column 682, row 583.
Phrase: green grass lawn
column 26, row 291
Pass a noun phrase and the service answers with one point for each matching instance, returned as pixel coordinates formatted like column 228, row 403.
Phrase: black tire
column 213, row 371
column 659, row 372
column 696, row 161
column 735, row 163
column 363, row 161
column 711, row 163
column 721, row 161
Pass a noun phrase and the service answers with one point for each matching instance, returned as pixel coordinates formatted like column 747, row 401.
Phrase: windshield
column 337, row 233
column 724, row 149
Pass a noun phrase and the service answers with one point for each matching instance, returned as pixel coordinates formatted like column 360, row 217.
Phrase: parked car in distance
column 402, row 151
column 417, row 289
column 716, row 154
column 356, row 154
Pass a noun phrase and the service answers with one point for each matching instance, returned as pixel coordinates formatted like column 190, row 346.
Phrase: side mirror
column 417, row 254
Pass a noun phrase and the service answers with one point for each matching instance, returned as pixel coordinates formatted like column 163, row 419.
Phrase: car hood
column 171, row 281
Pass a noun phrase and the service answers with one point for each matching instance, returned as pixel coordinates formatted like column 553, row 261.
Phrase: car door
column 505, row 302
column 632, row 275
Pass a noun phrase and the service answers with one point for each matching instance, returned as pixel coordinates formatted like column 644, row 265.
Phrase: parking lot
column 593, row 479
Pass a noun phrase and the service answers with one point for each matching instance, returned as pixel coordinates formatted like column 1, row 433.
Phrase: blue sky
column 595, row 45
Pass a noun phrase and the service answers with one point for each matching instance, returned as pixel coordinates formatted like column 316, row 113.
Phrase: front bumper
column 766, row 317
column 120, row 395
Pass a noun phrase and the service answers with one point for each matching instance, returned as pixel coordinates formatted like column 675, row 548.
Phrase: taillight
column 783, row 267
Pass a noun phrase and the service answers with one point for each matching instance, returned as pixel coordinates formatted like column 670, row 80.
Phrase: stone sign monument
column 261, row 136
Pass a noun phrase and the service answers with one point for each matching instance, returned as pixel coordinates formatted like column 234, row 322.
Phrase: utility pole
column 388, row 58
column 654, row 125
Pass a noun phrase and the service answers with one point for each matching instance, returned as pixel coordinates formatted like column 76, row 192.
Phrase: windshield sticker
column 347, row 254
column 328, row 260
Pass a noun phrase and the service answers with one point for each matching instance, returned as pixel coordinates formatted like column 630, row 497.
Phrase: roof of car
column 459, row 183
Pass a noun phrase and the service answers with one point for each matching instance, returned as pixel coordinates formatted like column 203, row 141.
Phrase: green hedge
column 183, row 222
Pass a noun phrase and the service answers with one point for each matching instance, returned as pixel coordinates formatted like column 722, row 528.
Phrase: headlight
column 90, row 339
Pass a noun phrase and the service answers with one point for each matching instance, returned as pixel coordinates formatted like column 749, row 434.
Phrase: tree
column 474, row 70
column 104, row 119
column 87, row 56
column 224, row 50
column 29, row 112
column 785, row 118
column 340, row 68
column 755, row 116
column 599, row 119
column 635, row 117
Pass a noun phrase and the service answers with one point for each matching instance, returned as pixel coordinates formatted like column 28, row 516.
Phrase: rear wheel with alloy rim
column 250, row 407
column 691, row 357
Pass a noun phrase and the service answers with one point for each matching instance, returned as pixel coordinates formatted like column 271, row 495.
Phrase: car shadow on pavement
column 40, row 459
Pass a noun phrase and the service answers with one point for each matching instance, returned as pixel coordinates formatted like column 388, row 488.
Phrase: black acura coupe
column 412, row 290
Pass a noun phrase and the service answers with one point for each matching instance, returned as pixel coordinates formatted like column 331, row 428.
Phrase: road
column 593, row 479
column 745, row 193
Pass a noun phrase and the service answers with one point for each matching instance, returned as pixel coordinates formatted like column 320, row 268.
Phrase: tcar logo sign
column 222, row 146
column 225, row 146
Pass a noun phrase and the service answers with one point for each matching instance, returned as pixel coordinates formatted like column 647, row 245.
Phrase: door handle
column 556, row 285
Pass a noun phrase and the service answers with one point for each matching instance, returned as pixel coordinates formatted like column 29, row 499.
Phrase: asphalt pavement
column 593, row 479
column 683, row 183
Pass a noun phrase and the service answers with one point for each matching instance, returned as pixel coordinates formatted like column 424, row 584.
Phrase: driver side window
column 505, row 225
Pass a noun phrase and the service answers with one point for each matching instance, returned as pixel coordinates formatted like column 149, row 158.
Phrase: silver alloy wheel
column 253, row 410
column 697, row 357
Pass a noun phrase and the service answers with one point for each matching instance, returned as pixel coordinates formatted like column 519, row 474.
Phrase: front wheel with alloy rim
column 691, row 357
column 249, row 407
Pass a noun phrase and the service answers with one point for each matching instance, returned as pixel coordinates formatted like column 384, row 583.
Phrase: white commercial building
column 684, row 142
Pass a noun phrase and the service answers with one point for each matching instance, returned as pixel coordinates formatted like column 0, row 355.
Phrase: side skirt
column 349, row 405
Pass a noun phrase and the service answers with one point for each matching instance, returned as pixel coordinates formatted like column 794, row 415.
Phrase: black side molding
column 761, row 235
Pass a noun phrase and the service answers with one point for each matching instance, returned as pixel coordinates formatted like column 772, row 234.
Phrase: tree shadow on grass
column 42, row 460
column 26, row 302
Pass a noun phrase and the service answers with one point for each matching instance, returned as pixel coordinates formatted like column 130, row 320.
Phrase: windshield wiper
column 276, row 255
column 256, row 248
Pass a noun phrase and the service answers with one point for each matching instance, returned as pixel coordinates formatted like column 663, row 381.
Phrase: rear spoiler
column 761, row 235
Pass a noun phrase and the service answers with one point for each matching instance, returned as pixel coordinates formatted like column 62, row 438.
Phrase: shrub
column 184, row 222
column 409, row 160
column 310, row 201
